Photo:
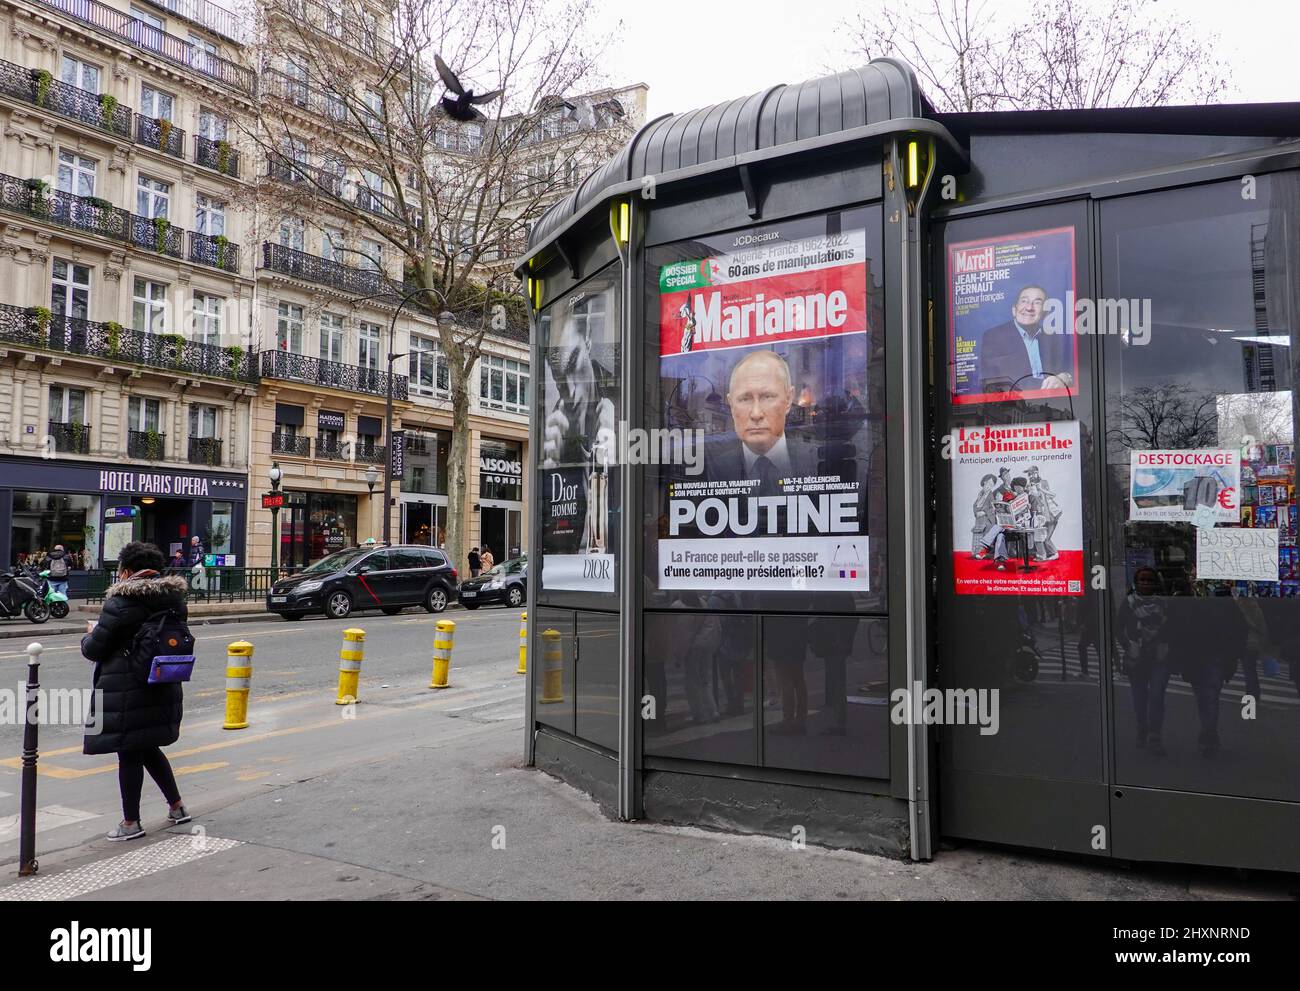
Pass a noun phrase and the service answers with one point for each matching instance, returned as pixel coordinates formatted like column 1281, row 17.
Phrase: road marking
column 252, row 775
column 152, row 858
column 197, row 768
column 5, row 794
column 47, row 817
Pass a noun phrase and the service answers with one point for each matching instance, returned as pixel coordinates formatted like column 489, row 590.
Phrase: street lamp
column 275, row 474
column 372, row 478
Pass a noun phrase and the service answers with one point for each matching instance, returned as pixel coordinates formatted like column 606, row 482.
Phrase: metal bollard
column 27, row 829
column 523, row 643
column 239, row 678
column 351, row 654
column 552, row 667
column 443, row 641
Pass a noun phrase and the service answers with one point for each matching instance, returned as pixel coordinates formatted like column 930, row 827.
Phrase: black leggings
column 131, row 765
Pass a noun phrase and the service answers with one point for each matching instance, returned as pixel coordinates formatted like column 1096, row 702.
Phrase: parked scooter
column 52, row 597
column 20, row 596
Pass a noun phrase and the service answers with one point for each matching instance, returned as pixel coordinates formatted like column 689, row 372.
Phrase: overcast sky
column 693, row 53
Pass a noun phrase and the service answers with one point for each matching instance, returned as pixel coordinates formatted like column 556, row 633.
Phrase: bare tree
column 1062, row 54
column 1165, row 415
column 352, row 125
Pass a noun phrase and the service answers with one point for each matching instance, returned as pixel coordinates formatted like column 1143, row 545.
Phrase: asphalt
column 417, row 794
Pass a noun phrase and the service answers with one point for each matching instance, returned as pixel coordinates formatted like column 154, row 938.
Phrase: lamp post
column 372, row 478
column 275, row 474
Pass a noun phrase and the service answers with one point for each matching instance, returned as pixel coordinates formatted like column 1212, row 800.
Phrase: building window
column 156, row 103
column 503, row 383
column 296, row 81
column 81, row 74
column 203, row 54
column 207, row 318
column 212, row 125
column 77, row 173
column 331, row 337
column 333, row 245
column 372, row 255
column 203, row 422
column 152, row 197
column 292, row 233
column 42, row 519
column 425, row 463
column 70, row 290
column 374, row 102
column 368, row 353
column 67, row 405
column 149, row 307
column 288, row 328
column 209, row 216
column 429, row 373
column 144, row 415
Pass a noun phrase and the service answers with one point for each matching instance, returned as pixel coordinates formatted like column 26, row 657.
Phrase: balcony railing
column 146, row 445
column 112, row 342
column 212, row 16
column 205, row 451
column 380, row 204
column 323, row 271
column 296, row 173
column 371, row 454
column 154, row 132
column 40, row 88
column 70, row 438
column 333, row 374
column 214, row 250
column 313, row 98
column 157, row 234
column 150, row 39
column 83, row 213
column 216, row 155
column 333, row 450
column 294, row 446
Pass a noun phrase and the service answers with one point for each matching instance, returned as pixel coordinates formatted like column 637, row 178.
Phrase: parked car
column 357, row 578
column 506, row 584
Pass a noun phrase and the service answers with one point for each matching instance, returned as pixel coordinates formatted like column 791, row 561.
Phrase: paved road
column 296, row 732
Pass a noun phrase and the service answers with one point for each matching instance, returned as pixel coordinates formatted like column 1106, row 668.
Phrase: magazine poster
column 777, row 330
column 1017, row 509
column 1011, row 305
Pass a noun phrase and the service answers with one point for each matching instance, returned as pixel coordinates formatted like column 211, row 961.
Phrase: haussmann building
column 903, row 476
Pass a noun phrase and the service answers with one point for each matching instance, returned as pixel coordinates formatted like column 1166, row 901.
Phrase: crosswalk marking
column 149, row 859
column 47, row 817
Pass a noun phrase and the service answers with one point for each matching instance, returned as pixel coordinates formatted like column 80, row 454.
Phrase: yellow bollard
column 552, row 667
column 443, row 641
column 239, row 676
column 351, row 654
column 523, row 643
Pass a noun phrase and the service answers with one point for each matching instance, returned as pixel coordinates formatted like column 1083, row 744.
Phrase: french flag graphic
column 848, row 574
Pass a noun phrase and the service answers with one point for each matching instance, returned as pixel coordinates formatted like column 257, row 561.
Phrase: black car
column 506, row 583
column 384, row 578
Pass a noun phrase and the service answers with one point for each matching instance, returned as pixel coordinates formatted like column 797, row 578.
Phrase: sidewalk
column 463, row 819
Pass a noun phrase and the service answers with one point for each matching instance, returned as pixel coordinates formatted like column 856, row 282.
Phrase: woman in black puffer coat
column 137, row 718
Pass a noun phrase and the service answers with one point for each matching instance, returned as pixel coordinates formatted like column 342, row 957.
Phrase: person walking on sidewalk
column 486, row 559
column 475, row 564
column 137, row 718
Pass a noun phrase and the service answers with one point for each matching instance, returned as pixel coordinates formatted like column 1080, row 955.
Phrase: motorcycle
column 20, row 596
column 56, row 600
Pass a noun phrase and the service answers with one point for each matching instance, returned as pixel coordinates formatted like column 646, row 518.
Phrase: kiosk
column 905, row 475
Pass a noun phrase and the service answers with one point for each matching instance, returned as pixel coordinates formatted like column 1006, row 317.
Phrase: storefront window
column 41, row 520
column 426, row 462
column 501, row 470
column 331, row 523
column 580, row 477
column 222, row 528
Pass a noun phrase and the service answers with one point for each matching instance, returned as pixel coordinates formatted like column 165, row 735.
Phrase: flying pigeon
column 461, row 106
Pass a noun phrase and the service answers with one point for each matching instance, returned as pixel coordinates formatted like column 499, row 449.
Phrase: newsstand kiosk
column 907, row 475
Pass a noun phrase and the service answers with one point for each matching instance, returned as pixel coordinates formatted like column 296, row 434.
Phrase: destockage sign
column 778, row 325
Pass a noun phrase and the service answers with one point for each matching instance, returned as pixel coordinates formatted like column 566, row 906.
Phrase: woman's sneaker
column 125, row 832
column 178, row 815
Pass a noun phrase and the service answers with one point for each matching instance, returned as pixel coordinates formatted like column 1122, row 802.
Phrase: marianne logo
column 77, row 945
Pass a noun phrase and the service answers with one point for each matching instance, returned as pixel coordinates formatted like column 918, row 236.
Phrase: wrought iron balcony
column 332, row 374
column 216, row 155
column 149, row 38
column 154, row 132
column 294, row 446
column 295, row 173
column 38, row 87
column 70, row 438
column 111, row 342
column 371, row 454
column 157, row 234
column 313, row 98
column 324, row 271
column 146, row 445
column 212, row 16
column 214, row 250
column 380, row 204
column 88, row 214
column 205, row 451
column 333, row 450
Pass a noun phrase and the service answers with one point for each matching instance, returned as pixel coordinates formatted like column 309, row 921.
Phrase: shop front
column 501, row 497
column 904, row 475
column 424, row 486
column 314, row 525
column 91, row 511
